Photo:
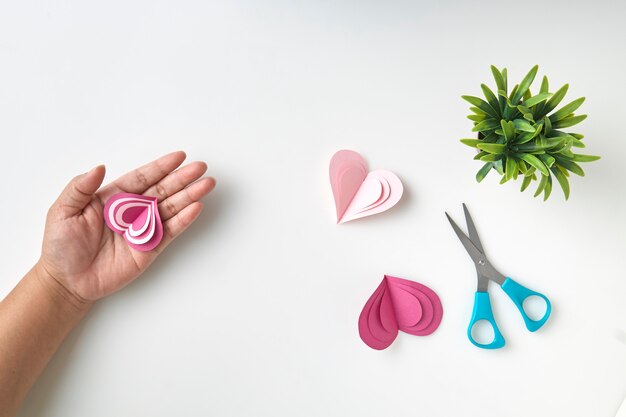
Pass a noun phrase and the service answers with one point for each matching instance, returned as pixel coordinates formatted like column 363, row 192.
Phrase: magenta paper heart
column 136, row 217
column 359, row 193
column 399, row 304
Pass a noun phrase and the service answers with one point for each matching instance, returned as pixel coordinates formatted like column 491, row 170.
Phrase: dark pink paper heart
column 399, row 304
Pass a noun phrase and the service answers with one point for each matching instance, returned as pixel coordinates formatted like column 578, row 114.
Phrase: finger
column 177, row 181
column 175, row 204
column 140, row 179
column 79, row 191
column 175, row 226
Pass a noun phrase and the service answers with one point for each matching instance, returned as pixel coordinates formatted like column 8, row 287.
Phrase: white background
column 254, row 311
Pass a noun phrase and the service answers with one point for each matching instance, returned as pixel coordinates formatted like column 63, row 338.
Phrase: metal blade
column 484, row 270
column 473, row 234
column 471, row 249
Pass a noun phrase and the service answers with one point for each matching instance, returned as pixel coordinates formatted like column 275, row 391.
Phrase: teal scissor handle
column 482, row 311
column 518, row 293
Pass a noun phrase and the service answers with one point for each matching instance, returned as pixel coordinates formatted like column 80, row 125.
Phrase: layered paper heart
column 359, row 193
column 136, row 217
column 399, row 304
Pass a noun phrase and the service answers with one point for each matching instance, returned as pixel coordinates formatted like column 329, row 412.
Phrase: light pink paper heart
column 136, row 217
column 399, row 304
column 358, row 193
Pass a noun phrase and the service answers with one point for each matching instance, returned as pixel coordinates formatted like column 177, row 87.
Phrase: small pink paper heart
column 136, row 217
column 358, row 193
column 399, row 304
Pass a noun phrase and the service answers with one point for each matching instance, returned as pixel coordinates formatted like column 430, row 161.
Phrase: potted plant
column 521, row 135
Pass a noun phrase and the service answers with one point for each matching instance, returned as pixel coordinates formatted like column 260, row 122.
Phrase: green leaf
column 498, row 167
column 560, row 133
column 510, row 107
column 471, row 142
column 490, row 157
column 492, row 147
column 508, row 128
column 525, row 84
column 585, row 158
column 480, row 155
column 534, row 161
column 526, row 182
column 525, row 137
column 543, row 89
column 513, row 92
column 482, row 173
column 522, row 166
column 482, row 105
column 541, row 145
column 534, row 100
column 547, row 143
column 562, row 179
column 530, row 172
column 497, row 76
column 548, row 189
column 491, row 138
column 566, row 110
column 542, row 184
column 511, row 168
column 477, row 111
column 553, row 102
column 488, row 124
column 544, row 85
column 491, row 98
column 570, row 166
column 547, row 126
column 569, row 121
column 548, row 160
column 523, row 125
column 477, row 117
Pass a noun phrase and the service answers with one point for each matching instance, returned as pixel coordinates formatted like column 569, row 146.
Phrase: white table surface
column 254, row 311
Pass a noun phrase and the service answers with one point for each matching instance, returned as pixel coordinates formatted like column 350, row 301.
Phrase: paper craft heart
column 136, row 217
column 399, row 304
column 359, row 193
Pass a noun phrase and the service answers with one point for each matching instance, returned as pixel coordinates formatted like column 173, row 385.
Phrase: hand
column 85, row 257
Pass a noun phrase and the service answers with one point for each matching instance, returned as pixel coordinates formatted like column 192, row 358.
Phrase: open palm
column 85, row 256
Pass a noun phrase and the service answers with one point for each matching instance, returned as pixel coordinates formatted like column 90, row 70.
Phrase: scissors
column 486, row 272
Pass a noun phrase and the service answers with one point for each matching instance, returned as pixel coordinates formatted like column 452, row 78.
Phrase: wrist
column 58, row 293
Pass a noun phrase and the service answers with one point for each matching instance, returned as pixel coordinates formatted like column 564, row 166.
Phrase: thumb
column 80, row 190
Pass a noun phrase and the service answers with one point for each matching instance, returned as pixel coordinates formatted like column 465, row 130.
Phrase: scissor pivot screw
column 481, row 262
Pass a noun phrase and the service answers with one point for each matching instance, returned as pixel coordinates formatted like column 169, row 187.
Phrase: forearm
column 35, row 318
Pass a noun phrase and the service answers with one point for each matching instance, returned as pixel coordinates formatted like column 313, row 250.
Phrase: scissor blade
column 473, row 234
column 471, row 249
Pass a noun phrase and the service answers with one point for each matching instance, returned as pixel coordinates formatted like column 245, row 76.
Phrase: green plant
column 521, row 135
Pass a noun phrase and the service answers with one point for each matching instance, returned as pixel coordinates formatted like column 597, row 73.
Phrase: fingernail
column 91, row 171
